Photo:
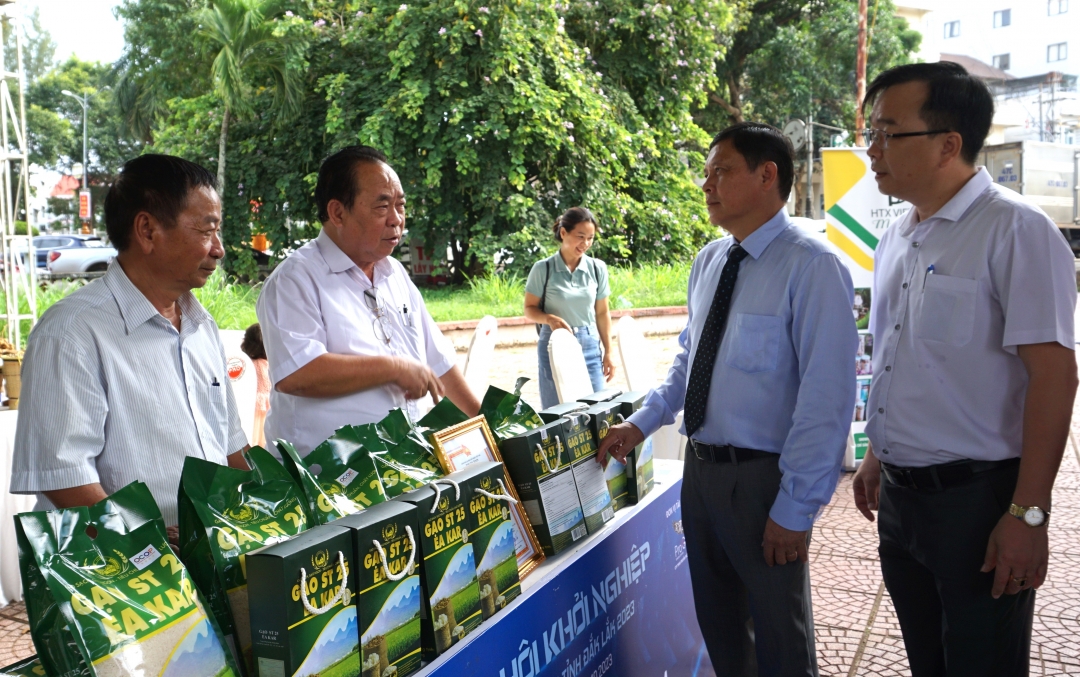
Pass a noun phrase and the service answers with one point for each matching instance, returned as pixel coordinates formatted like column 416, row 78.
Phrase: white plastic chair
column 242, row 378
column 640, row 370
column 637, row 360
column 481, row 352
column 568, row 366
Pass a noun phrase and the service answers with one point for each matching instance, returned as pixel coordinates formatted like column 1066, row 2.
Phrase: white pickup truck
column 92, row 257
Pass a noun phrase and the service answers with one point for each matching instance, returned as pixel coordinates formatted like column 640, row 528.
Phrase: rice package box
column 303, row 611
column 31, row 667
column 602, row 416
column 592, row 487
column 131, row 605
column 639, row 462
column 338, row 477
column 605, row 395
column 491, row 532
column 226, row 513
column 447, row 566
column 388, row 595
column 539, row 465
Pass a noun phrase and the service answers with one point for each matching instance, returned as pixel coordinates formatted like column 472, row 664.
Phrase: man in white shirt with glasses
column 346, row 332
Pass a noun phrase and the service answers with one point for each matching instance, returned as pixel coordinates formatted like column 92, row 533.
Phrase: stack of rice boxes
column 467, row 557
column 375, row 592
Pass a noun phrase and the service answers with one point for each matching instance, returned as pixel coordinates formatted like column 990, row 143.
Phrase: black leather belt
column 725, row 453
column 943, row 476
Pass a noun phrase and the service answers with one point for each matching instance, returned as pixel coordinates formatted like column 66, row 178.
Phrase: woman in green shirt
column 569, row 290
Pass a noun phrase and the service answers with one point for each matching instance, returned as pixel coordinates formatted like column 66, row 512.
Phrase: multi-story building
column 1028, row 50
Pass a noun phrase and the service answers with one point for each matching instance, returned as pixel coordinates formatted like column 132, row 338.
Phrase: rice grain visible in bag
column 132, row 606
column 226, row 513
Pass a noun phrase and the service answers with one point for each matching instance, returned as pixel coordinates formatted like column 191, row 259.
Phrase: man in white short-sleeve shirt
column 126, row 377
column 974, row 380
column 346, row 333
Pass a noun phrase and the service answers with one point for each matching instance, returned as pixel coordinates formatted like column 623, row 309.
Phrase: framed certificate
column 468, row 442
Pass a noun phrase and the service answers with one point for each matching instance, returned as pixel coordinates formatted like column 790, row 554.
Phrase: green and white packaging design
column 31, row 667
column 345, row 481
column 226, row 513
column 592, row 487
column 388, row 596
column 639, row 462
column 492, row 534
column 602, row 416
column 131, row 606
column 303, row 611
column 539, row 465
column 447, row 566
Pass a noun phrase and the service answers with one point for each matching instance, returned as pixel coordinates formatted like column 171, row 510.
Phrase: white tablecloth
column 10, row 582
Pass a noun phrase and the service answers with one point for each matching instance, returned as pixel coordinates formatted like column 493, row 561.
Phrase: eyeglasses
column 381, row 324
column 881, row 137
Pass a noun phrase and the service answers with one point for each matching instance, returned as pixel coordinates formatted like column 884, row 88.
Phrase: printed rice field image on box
column 389, row 600
column 601, row 417
column 589, row 478
column 639, row 462
column 447, row 566
column 491, row 533
column 539, row 464
column 293, row 639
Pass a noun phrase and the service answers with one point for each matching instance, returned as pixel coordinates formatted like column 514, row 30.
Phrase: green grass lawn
column 232, row 305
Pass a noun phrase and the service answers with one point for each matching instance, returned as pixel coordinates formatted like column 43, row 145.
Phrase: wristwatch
column 1033, row 516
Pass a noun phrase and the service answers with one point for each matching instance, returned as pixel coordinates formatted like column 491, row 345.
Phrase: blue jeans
column 589, row 340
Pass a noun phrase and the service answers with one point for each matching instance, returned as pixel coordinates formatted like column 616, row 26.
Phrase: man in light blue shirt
column 767, row 379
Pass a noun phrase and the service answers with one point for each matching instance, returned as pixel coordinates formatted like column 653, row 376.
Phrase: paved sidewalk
column 857, row 632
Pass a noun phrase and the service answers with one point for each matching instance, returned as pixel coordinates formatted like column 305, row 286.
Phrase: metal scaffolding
column 19, row 260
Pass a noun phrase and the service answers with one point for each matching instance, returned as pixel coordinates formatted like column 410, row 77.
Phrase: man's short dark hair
column 758, row 142
column 337, row 177
column 156, row 184
column 955, row 100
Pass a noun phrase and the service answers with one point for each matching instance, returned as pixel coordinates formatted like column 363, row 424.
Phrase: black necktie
column 697, row 393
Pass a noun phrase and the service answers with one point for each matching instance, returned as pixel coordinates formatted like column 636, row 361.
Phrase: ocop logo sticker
column 347, row 477
column 145, row 557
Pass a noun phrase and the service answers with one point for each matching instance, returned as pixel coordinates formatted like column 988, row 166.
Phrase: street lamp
column 84, row 194
column 83, row 101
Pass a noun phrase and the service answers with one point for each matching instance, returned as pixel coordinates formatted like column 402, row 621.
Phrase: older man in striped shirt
column 126, row 377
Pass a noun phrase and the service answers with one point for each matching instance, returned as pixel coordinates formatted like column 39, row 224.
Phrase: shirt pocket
column 755, row 342
column 948, row 310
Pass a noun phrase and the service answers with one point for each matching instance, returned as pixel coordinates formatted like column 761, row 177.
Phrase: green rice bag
column 31, row 667
column 507, row 414
column 442, row 416
column 127, row 509
column 338, row 476
column 226, row 513
column 406, row 460
column 131, row 607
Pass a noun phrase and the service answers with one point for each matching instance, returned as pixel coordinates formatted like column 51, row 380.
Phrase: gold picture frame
column 469, row 442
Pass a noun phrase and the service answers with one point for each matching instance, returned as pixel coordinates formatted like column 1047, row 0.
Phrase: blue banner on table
column 624, row 607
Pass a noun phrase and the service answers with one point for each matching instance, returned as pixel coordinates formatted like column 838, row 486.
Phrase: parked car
column 43, row 244
column 91, row 257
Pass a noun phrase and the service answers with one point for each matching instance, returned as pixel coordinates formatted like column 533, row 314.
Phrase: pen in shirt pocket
column 929, row 271
column 214, row 381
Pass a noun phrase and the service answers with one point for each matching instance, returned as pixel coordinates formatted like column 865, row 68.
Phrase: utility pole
column 860, row 73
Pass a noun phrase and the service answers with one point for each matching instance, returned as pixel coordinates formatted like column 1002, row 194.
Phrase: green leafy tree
column 250, row 51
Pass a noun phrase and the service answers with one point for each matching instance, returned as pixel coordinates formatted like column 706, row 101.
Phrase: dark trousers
column 756, row 619
column 933, row 544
